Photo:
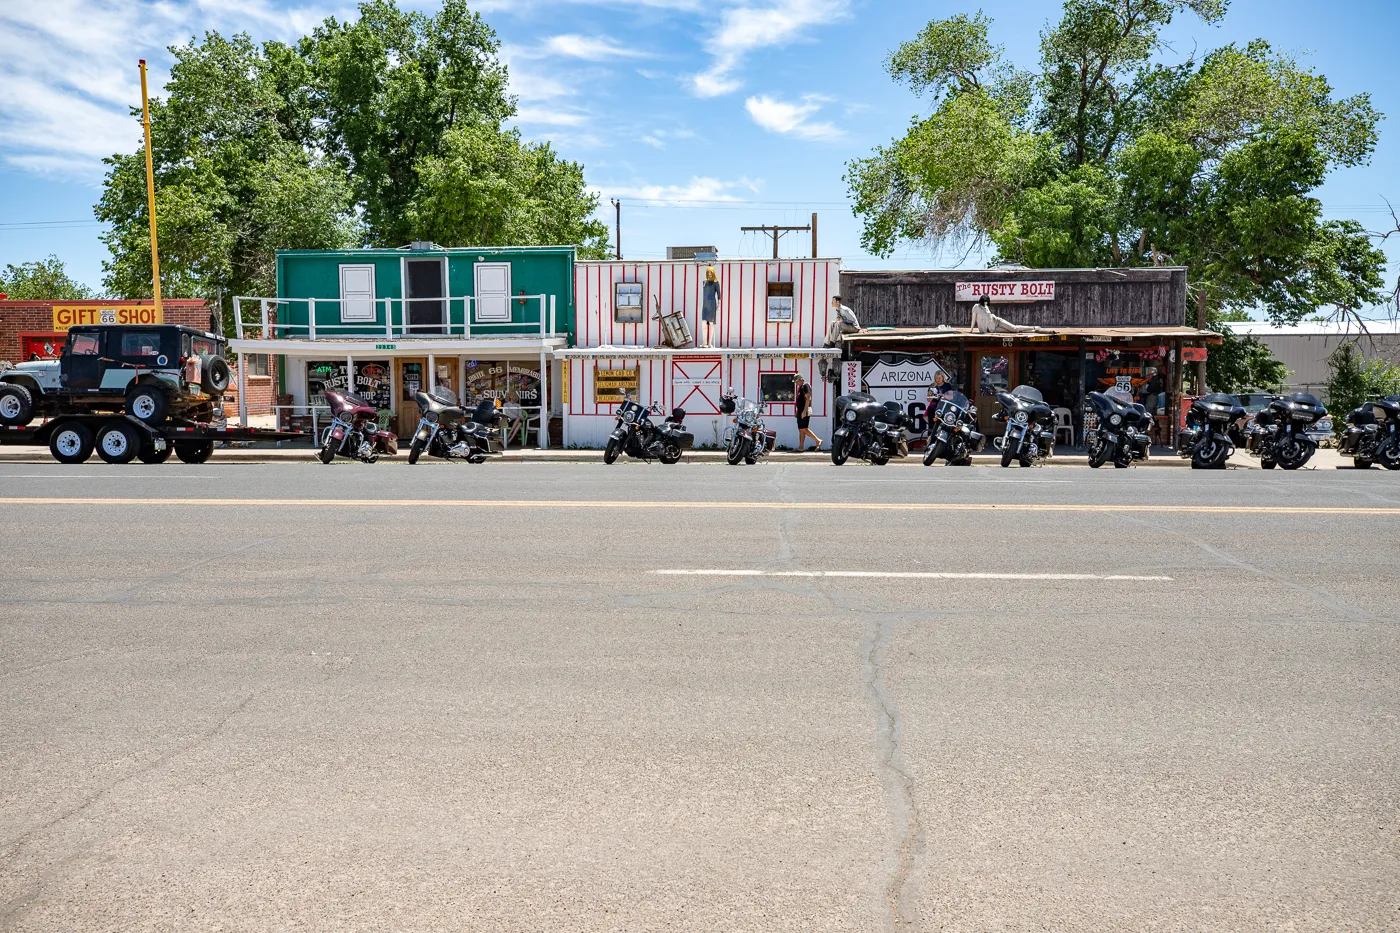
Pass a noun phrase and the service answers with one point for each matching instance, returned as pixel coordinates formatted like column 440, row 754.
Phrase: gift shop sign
column 66, row 316
column 1006, row 291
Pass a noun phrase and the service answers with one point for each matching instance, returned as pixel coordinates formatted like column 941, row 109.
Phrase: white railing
column 385, row 326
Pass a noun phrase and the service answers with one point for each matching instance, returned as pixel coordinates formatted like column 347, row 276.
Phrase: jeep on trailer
column 149, row 371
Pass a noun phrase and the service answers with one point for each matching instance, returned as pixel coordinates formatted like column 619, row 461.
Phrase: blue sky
column 701, row 115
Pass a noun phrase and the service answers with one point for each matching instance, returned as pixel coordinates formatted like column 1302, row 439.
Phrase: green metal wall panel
column 304, row 274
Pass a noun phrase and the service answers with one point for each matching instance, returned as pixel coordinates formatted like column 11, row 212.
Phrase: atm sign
column 66, row 316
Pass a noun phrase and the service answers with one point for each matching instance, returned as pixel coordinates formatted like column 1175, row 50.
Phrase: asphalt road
column 287, row 696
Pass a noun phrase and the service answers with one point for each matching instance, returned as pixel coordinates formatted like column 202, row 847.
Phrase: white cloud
column 697, row 189
column 68, row 70
column 545, row 115
column 778, row 116
column 590, row 48
column 747, row 28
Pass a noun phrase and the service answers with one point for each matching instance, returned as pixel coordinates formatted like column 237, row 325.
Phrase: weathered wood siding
column 1083, row 297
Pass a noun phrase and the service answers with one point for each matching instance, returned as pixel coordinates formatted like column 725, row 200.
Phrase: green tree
column 1241, row 363
column 1354, row 378
column 1107, row 157
column 378, row 131
column 41, row 280
column 234, row 180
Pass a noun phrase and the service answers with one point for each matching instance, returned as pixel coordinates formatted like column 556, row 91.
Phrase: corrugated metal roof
column 1314, row 328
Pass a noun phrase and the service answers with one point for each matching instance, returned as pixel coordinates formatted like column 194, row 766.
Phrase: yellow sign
column 612, row 385
column 564, row 373
column 795, row 356
column 66, row 316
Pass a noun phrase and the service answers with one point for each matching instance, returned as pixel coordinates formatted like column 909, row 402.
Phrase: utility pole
column 150, row 193
column 617, row 205
column 776, row 232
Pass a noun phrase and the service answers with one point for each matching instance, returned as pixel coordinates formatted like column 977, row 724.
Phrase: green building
column 385, row 323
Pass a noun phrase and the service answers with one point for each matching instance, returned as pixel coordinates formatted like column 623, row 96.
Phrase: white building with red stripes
column 770, row 324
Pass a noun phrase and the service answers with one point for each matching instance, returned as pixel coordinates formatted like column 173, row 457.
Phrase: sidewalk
column 1162, row 457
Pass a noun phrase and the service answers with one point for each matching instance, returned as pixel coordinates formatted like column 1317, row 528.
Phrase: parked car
column 150, row 371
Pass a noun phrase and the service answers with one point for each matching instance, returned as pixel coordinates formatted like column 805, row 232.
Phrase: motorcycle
column 953, row 432
column 354, row 431
column 746, row 439
column 636, row 436
column 1122, row 435
column 1213, row 431
column 868, row 430
column 1030, row 426
column 1279, row 433
column 1374, row 433
column 445, row 432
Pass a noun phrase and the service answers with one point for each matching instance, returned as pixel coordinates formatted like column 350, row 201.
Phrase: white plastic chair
column 1064, row 422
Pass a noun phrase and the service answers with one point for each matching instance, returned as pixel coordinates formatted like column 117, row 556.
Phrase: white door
column 493, row 292
column 356, row 293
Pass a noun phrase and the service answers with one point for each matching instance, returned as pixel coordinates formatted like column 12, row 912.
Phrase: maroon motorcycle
column 354, row 431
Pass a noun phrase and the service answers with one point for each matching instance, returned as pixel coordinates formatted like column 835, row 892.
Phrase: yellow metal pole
column 150, row 192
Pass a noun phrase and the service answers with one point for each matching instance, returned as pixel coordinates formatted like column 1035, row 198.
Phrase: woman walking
column 802, row 396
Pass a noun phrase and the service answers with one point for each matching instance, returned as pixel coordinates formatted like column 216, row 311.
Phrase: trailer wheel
column 71, row 443
column 148, row 403
column 117, row 442
column 149, row 454
column 194, row 451
column 16, row 405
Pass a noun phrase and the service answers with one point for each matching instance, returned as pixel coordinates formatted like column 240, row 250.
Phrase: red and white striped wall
column 746, row 345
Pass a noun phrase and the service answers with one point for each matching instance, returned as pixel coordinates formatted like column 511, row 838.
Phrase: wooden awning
column 894, row 336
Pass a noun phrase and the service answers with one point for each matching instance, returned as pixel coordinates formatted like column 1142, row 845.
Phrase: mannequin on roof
column 709, row 306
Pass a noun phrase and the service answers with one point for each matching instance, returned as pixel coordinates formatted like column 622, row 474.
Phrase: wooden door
column 992, row 372
column 410, row 375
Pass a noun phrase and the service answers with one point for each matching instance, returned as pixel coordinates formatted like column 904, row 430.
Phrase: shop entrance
column 991, row 370
column 411, row 376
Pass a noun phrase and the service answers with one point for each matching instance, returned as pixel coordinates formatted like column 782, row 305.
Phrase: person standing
column 802, row 398
column 709, row 306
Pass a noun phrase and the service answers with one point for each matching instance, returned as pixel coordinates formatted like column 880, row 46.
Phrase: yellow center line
column 667, row 505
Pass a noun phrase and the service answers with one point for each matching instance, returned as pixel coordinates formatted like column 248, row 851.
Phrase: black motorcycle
column 746, row 440
column 636, row 436
column 1122, row 435
column 1374, row 434
column 868, row 430
column 1279, row 433
column 444, row 430
column 1030, row 426
column 1213, row 431
column 953, row 431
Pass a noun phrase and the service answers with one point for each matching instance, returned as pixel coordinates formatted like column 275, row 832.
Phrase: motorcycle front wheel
column 610, row 453
column 328, row 447
column 1098, row 456
column 1008, row 453
column 738, row 450
column 935, row 451
column 841, row 450
column 415, row 450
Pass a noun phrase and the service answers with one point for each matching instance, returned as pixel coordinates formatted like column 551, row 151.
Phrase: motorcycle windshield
column 956, row 399
column 1028, row 394
column 443, row 396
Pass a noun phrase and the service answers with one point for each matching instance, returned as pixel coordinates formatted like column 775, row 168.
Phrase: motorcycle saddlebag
column 684, row 440
column 976, row 442
column 1184, row 442
column 770, row 441
column 1140, row 441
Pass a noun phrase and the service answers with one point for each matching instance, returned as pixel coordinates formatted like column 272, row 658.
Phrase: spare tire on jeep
column 214, row 375
column 16, row 405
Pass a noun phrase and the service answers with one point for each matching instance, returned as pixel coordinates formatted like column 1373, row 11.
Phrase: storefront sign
column 907, row 383
column 613, row 385
column 513, row 382
column 371, row 381
column 1193, row 354
column 694, row 381
column 851, row 381
column 1006, row 291
column 66, row 316
column 564, row 386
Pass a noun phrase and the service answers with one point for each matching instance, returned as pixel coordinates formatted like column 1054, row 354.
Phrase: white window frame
column 347, row 316
column 636, row 316
column 503, row 316
column 777, row 314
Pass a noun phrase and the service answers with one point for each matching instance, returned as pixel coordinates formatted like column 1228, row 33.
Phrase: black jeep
column 151, row 371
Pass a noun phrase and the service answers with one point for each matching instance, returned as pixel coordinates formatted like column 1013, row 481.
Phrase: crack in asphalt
column 11, row 909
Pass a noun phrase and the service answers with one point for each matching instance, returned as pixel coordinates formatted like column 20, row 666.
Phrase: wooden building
column 1076, row 331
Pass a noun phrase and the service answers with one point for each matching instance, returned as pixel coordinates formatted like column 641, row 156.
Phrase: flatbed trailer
column 74, row 438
